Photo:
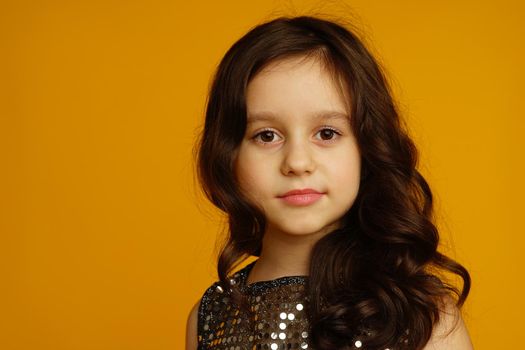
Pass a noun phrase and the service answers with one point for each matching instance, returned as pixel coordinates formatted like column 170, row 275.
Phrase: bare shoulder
column 450, row 332
column 191, row 328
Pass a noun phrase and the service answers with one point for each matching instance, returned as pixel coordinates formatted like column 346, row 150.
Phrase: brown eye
column 265, row 136
column 327, row 134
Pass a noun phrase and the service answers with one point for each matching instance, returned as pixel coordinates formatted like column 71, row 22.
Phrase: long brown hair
column 380, row 272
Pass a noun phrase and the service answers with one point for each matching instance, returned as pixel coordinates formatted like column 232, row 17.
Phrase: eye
column 265, row 136
column 328, row 133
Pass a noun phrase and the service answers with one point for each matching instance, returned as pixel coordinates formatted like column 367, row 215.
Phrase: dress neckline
column 264, row 285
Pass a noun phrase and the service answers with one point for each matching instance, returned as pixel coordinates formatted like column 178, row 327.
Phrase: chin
column 302, row 230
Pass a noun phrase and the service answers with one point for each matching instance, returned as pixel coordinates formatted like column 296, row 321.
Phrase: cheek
column 247, row 172
column 346, row 170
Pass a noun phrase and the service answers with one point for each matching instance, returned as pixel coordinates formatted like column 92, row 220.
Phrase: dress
column 278, row 320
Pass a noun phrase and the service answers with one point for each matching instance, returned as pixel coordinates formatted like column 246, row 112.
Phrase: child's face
column 295, row 150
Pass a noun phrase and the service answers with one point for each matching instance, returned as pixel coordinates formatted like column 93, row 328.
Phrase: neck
column 282, row 255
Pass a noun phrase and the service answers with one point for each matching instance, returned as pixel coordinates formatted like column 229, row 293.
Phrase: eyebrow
column 321, row 115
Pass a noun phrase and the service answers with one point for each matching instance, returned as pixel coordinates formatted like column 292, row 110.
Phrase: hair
column 380, row 272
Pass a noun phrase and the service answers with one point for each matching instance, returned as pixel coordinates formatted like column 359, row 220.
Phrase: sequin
column 275, row 318
column 273, row 323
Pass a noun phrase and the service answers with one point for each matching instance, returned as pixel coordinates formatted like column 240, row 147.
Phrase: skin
column 295, row 150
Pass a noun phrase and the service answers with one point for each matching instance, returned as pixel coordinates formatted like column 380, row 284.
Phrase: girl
column 304, row 150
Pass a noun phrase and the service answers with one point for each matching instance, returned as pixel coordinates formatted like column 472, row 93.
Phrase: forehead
column 295, row 86
column 316, row 116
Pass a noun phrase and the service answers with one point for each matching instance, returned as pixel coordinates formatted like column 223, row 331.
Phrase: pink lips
column 301, row 197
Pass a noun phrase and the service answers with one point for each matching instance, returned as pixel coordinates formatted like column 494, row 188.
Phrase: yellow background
column 105, row 240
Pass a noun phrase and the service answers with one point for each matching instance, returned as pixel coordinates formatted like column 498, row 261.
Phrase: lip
column 301, row 197
column 302, row 191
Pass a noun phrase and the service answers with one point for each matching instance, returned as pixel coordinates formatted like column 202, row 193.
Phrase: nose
column 297, row 159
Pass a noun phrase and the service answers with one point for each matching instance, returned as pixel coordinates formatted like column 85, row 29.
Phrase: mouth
column 300, row 192
column 301, row 197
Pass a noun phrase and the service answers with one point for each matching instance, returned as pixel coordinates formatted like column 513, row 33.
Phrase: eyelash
column 322, row 128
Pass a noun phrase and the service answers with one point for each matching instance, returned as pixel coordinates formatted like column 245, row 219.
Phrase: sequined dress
column 278, row 320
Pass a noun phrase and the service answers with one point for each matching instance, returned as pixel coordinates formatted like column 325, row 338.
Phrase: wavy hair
column 379, row 273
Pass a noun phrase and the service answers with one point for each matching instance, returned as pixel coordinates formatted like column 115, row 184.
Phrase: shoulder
column 450, row 332
column 194, row 327
column 191, row 328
